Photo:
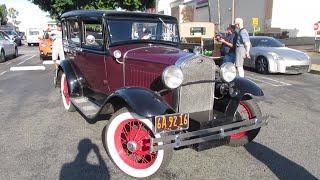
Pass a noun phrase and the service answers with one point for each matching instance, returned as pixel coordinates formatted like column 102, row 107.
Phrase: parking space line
column 28, row 68
column 254, row 79
column 287, row 84
column 26, row 60
column 47, row 62
column 3, row 73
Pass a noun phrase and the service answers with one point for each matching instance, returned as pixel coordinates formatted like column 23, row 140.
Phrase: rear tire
column 247, row 109
column 65, row 94
column 262, row 65
column 16, row 52
column 2, row 56
column 126, row 140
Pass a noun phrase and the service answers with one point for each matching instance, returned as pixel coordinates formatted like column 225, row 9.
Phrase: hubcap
column 245, row 113
column 132, row 146
column 132, row 141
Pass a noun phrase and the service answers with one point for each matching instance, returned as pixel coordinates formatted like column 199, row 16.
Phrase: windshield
column 139, row 31
column 11, row 33
column 265, row 42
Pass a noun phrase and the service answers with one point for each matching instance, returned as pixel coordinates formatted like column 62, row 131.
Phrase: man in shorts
column 57, row 47
column 242, row 46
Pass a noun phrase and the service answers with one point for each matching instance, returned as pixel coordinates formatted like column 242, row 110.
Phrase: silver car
column 269, row 55
column 7, row 47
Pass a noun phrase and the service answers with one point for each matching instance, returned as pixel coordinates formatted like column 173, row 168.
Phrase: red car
column 128, row 66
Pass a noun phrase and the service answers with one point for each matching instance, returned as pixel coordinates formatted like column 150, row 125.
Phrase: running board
column 87, row 107
column 203, row 135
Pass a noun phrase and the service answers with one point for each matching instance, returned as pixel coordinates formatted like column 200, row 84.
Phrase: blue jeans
column 230, row 57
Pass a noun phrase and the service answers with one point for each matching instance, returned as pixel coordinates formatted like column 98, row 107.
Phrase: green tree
column 13, row 14
column 3, row 14
column 57, row 7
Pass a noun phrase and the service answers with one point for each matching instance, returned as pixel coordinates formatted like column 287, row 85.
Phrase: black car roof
column 129, row 14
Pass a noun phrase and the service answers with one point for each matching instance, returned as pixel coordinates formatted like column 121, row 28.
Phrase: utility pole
column 209, row 8
column 232, row 13
column 219, row 16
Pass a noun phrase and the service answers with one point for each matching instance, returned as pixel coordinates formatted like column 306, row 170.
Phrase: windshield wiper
column 167, row 27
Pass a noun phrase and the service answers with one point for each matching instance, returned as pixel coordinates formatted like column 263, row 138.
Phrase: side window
column 64, row 30
column 1, row 37
column 74, row 31
column 92, row 34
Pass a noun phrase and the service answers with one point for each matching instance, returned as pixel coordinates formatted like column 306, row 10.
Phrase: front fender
column 75, row 86
column 246, row 86
column 142, row 101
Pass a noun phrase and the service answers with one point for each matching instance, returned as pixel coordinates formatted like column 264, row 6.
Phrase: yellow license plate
column 171, row 122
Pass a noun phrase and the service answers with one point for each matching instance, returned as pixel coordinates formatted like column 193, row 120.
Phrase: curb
column 315, row 69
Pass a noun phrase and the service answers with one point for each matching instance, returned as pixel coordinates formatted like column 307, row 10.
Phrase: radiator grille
column 197, row 92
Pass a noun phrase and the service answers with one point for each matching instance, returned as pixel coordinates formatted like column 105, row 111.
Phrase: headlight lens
column 172, row 77
column 275, row 56
column 228, row 72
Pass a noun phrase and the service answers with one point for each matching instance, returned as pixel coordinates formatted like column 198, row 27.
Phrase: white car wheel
column 66, row 99
column 127, row 141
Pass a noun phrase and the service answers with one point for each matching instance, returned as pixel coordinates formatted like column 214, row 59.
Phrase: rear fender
column 75, row 86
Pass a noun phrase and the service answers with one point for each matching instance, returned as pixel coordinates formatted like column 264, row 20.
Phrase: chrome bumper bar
column 203, row 135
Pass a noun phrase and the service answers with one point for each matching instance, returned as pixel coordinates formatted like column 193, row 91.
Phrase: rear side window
column 74, row 31
column 92, row 34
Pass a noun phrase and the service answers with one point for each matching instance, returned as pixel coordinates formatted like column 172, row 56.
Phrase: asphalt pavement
column 39, row 140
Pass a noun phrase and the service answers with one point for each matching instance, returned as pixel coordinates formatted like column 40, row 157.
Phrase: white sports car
column 269, row 55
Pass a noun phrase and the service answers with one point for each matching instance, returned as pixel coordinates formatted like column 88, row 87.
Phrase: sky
column 300, row 15
column 30, row 15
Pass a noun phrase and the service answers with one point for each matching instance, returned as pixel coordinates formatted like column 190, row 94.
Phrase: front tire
column 2, row 57
column 247, row 109
column 127, row 141
column 65, row 95
column 262, row 65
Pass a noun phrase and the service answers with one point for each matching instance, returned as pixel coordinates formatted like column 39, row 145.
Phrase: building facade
column 274, row 16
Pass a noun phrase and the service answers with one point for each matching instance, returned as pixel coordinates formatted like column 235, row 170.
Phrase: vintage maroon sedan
column 160, row 98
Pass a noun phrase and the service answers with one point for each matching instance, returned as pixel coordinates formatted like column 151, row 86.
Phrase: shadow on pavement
column 282, row 167
column 81, row 169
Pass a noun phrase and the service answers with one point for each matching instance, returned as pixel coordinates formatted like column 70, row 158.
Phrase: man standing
column 57, row 47
column 228, row 45
column 242, row 46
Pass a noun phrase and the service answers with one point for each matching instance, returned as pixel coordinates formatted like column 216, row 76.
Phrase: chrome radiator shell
column 197, row 91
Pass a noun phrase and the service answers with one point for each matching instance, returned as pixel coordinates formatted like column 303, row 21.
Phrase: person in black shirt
column 228, row 45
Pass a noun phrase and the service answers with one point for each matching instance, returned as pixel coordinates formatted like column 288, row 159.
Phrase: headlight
column 172, row 77
column 228, row 72
column 275, row 56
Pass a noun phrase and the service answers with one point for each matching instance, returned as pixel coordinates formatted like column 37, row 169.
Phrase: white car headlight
column 228, row 72
column 275, row 56
column 172, row 77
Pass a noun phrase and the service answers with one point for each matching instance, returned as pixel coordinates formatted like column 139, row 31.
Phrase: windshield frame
column 136, row 41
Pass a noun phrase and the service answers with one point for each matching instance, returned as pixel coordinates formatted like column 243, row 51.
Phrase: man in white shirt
column 57, row 47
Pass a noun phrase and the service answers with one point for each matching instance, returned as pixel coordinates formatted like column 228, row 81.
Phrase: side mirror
column 91, row 40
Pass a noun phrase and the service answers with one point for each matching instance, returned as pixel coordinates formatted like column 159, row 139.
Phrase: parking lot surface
column 39, row 140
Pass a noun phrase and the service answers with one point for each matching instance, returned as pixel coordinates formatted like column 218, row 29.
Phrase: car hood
column 154, row 53
column 284, row 52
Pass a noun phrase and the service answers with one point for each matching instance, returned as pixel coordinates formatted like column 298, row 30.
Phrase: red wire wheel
column 66, row 91
column 127, row 140
column 132, row 140
column 245, row 113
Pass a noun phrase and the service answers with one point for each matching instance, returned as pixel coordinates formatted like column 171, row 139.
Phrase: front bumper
column 203, row 135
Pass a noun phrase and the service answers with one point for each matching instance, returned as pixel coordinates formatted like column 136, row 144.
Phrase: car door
column 5, row 43
column 90, row 58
